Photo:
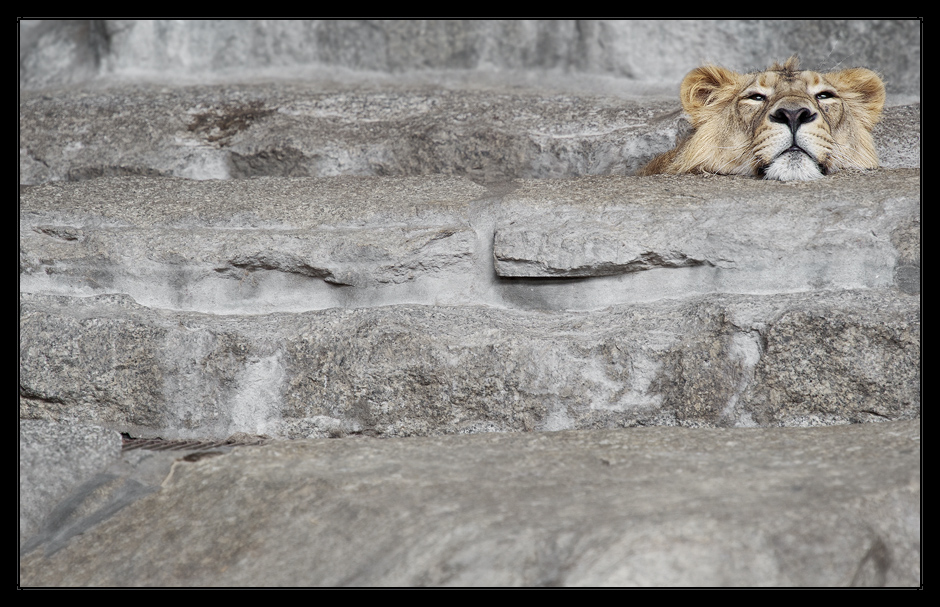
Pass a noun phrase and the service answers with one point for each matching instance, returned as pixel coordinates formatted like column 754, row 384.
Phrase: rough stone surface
column 291, row 130
column 539, row 52
column 773, row 237
column 427, row 231
column 267, row 245
column 836, row 506
column 799, row 359
column 543, row 304
column 897, row 137
column 54, row 459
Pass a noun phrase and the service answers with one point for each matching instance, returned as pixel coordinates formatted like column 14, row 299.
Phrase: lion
column 782, row 123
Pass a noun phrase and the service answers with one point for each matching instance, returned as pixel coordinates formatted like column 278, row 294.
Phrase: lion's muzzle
column 794, row 118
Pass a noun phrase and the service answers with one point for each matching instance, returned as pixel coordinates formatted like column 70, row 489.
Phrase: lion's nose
column 794, row 118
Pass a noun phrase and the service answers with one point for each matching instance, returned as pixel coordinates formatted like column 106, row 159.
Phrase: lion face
column 781, row 124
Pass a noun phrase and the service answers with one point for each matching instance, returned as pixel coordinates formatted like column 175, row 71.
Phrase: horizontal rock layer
column 541, row 53
column 449, row 307
column 268, row 245
column 834, row 506
column 801, row 359
column 366, row 254
column 293, row 130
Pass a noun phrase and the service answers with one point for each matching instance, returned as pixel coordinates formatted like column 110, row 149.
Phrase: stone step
column 410, row 306
column 298, row 230
column 719, row 360
column 568, row 54
column 835, row 506
column 276, row 245
column 291, row 129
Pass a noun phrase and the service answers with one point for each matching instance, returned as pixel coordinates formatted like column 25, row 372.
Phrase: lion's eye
column 825, row 95
column 756, row 97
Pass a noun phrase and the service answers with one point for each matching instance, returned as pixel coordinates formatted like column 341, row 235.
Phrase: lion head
column 782, row 123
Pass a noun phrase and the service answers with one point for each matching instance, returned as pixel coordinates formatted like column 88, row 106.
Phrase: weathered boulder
column 737, row 235
column 290, row 129
column 823, row 329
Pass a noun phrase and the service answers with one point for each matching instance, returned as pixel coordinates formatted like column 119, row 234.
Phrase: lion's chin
column 793, row 165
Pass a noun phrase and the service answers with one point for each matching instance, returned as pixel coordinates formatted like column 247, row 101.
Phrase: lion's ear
column 706, row 86
column 863, row 91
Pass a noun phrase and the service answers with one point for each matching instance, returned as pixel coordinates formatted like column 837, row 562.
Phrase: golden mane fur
column 782, row 123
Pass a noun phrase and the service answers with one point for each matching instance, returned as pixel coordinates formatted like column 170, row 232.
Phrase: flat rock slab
column 267, row 245
column 746, row 235
column 320, row 129
column 54, row 458
column 276, row 244
column 833, row 506
column 717, row 360
column 281, row 129
column 570, row 54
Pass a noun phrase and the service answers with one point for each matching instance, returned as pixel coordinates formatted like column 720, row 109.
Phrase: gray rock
column 306, row 129
column 791, row 238
column 54, row 459
column 267, row 245
column 363, row 253
column 538, row 51
column 57, row 52
column 264, row 245
column 830, row 337
column 721, row 360
column 836, row 506
column 290, row 129
column 897, row 137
